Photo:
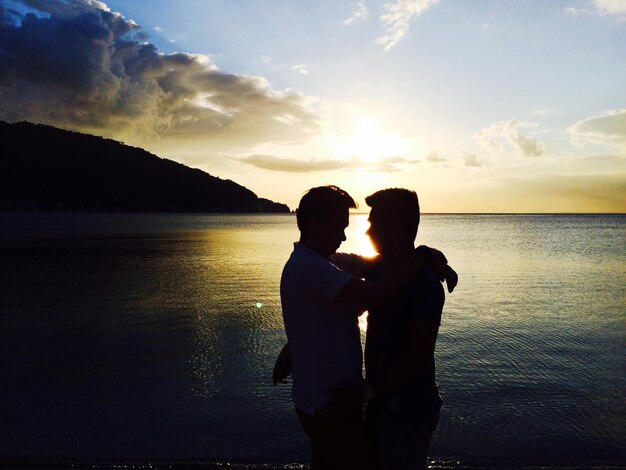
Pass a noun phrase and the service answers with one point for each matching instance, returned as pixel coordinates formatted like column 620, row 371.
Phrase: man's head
column 394, row 219
column 322, row 217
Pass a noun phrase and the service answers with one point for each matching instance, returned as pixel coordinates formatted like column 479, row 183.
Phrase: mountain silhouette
column 50, row 169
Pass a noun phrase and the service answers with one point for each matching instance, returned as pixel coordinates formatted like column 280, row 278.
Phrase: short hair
column 322, row 203
column 397, row 205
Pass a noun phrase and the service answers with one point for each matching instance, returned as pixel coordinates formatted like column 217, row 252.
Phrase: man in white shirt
column 321, row 304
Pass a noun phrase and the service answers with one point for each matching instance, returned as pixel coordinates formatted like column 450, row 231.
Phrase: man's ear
column 398, row 234
column 315, row 225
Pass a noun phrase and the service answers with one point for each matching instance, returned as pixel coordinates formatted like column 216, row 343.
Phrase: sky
column 479, row 106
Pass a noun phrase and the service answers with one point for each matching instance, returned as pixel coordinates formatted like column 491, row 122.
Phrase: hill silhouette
column 45, row 168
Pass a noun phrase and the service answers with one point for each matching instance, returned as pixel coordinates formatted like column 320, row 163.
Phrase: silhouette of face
column 377, row 231
column 330, row 235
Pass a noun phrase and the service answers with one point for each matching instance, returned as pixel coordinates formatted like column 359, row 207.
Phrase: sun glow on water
column 363, row 322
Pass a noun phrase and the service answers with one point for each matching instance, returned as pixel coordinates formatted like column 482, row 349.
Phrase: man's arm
column 449, row 275
column 353, row 264
column 423, row 334
column 364, row 294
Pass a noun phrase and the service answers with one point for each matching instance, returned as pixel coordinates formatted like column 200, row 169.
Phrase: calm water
column 140, row 338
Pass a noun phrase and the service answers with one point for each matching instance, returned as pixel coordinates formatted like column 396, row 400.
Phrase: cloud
column 8, row 16
column 615, row 8
column 577, row 11
column 606, row 129
column 302, row 69
column 360, row 13
column 398, row 18
column 292, row 165
column 470, row 159
column 78, row 65
column 65, row 9
column 527, row 146
column 562, row 183
column 610, row 7
column 546, row 193
column 507, row 132
column 434, row 157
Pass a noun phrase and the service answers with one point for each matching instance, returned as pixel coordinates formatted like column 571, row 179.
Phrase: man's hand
column 438, row 256
column 282, row 368
column 446, row 273
column 450, row 276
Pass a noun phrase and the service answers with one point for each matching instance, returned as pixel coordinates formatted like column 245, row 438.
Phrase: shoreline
column 181, row 464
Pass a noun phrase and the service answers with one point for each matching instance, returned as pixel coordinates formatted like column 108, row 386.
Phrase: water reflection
column 141, row 336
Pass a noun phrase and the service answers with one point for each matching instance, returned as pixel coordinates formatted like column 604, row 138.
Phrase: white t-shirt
column 323, row 335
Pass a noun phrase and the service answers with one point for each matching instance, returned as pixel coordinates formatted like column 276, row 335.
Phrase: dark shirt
column 388, row 340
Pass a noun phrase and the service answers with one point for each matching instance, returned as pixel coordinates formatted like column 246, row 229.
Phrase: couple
column 322, row 295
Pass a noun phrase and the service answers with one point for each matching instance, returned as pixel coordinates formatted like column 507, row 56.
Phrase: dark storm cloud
column 78, row 65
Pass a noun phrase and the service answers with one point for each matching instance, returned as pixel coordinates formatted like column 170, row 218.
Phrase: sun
column 369, row 143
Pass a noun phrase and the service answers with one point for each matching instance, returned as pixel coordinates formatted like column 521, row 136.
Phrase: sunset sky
column 479, row 106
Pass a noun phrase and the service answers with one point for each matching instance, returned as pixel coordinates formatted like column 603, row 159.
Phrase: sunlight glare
column 357, row 240
column 368, row 142
column 365, row 245
column 363, row 322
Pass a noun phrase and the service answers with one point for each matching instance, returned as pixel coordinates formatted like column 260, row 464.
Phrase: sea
column 135, row 341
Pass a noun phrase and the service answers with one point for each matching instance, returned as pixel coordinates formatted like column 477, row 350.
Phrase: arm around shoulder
column 368, row 293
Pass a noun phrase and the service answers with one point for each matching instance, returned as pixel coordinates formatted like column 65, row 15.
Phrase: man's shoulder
column 307, row 271
column 426, row 295
column 298, row 262
column 427, row 282
column 301, row 256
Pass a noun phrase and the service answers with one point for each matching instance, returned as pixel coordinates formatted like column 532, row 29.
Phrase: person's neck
column 311, row 245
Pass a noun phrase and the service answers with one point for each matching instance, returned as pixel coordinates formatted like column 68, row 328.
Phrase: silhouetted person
column 404, row 403
column 320, row 309
column 321, row 304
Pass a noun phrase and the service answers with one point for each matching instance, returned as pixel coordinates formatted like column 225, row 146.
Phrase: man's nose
column 343, row 236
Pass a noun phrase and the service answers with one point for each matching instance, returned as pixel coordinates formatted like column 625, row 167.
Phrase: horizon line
column 291, row 212
column 512, row 213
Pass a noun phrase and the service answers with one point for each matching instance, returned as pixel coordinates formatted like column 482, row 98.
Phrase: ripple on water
column 139, row 337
